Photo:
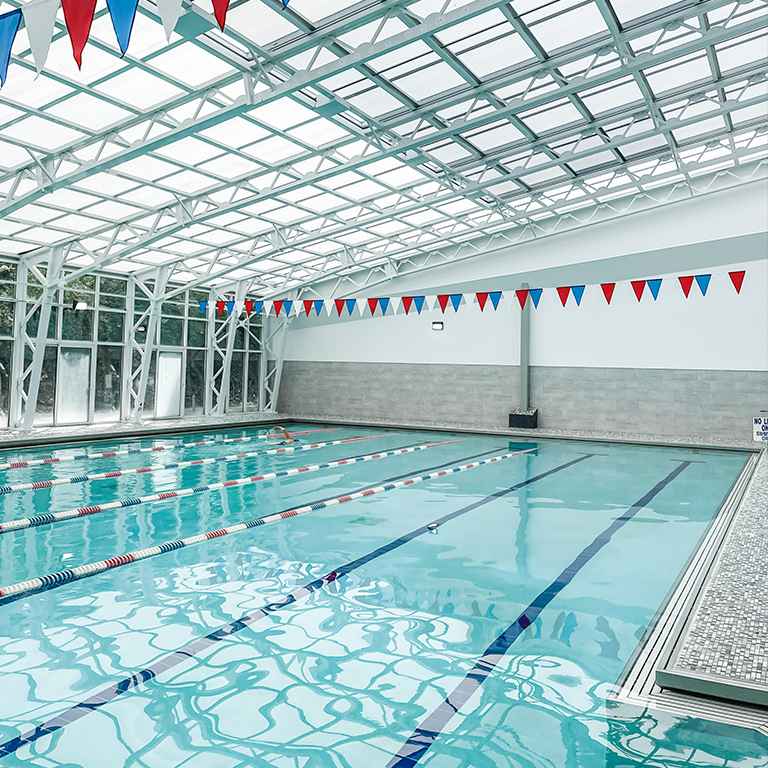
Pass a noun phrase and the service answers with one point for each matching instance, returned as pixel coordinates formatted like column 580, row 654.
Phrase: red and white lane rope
column 71, row 514
column 91, row 569
column 153, row 449
column 5, row 489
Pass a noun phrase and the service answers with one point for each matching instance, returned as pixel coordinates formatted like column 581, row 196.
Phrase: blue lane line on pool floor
column 103, row 697
column 430, row 728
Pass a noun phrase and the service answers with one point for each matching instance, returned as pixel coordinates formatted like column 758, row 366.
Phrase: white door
column 73, row 386
column 168, row 385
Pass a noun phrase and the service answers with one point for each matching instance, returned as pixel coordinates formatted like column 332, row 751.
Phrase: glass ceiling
column 334, row 137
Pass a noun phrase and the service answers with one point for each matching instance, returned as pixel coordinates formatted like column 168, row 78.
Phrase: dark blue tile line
column 430, row 728
column 108, row 694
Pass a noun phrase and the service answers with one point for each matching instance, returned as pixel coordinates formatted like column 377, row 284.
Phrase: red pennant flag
column 481, row 299
column 686, row 283
column 638, row 286
column 78, row 16
column 339, row 306
column 308, row 304
column 220, row 11
column 443, row 301
column 608, row 289
column 278, row 305
column 737, row 278
column 407, row 301
column 248, row 307
column 372, row 305
column 220, row 306
column 563, row 293
column 522, row 297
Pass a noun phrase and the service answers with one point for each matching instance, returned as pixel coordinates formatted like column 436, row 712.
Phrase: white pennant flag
column 39, row 19
column 169, row 11
column 266, row 309
column 430, row 302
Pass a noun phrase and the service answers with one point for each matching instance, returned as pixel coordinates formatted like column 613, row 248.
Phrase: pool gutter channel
column 650, row 679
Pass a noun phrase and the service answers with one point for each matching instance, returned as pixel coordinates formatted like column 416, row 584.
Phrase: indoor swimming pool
column 412, row 598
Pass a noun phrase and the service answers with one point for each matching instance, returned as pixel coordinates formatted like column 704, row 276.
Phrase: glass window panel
column 77, row 324
column 252, row 382
column 109, row 366
column 173, row 309
column 46, row 392
column 140, row 334
column 34, row 321
column 8, row 272
column 114, row 302
column 196, row 333
column 5, row 380
column 110, row 285
column 6, row 318
column 240, row 338
column 171, row 331
column 140, row 305
column 236, row 382
column 194, row 392
column 111, row 327
column 73, row 386
column 168, row 394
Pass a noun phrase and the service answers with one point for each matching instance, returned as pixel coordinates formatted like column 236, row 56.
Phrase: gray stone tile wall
column 645, row 401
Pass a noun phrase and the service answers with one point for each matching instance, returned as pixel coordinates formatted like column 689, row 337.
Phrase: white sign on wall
column 760, row 429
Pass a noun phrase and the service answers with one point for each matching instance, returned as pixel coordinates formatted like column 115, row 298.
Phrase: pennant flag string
column 495, row 297
column 578, row 292
column 318, row 306
column 230, row 307
column 288, row 306
column 654, row 286
column 9, row 26
column 407, row 300
column 39, row 21
column 481, row 299
column 384, row 304
column 608, row 289
column 220, row 307
column 522, row 297
column 123, row 14
column 372, row 304
column 258, row 306
column 419, row 302
column 686, row 282
column 737, row 278
column 703, row 283
column 456, row 300
column 638, row 286
column 564, row 293
column 248, row 307
column 535, row 294
column 203, row 307
column 78, row 16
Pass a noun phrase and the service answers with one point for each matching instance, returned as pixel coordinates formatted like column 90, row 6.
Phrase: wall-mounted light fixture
column 79, row 304
column 437, row 326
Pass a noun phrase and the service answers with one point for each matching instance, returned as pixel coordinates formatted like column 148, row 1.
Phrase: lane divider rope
column 91, row 569
column 19, row 487
column 155, row 448
column 71, row 514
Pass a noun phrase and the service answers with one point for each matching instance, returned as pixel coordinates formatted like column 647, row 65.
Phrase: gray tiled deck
column 726, row 636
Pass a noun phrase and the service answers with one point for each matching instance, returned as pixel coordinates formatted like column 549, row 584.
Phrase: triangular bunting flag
column 384, row 304
column 578, row 292
column 230, row 307
column 563, row 293
column 220, row 11
column 703, row 283
column 608, row 289
column 495, row 298
column 654, row 286
column 481, row 299
column 339, row 306
column 638, row 286
column 535, row 296
column 9, row 26
column 737, row 278
column 443, row 300
column 278, row 305
column 123, row 13
column 169, row 11
column 407, row 301
column 267, row 308
column 39, row 20
column 288, row 306
column 456, row 300
column 203, row 307
column 522, row 297
column 220, row 307
column 685, row 283
column 350, row 305
column 318, row 306
column 430, row 302
column 258, row 306
column 248, row 307
column 419, row 303
column 78, row 16
column 308, row 304
column 372, row 304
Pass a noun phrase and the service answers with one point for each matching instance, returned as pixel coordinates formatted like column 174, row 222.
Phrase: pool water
column 354, row 635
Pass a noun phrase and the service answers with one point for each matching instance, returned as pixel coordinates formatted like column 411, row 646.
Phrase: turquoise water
column 344, row 673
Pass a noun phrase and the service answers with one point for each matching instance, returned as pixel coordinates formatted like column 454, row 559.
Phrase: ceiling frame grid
column 374, row 141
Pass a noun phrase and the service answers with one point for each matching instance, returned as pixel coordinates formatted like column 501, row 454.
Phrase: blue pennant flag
column 123, row 13
column 535, row 294
column 230, row 307
column 287, row 306
column 654, row 286
column 703, row 283
column 9, row 26
column 203, row 306
column 456, row 300
column 350, row 303
column 419, row 302
column 578, row 292
column 258, row 306
column 318, row 305
column 495, row 297
column 383, row 303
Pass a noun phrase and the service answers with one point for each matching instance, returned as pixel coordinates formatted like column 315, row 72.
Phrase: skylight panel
column 190, row 64
column 755, row 112
column 565, row 29
column 643, row 146
column 375, row 101
column 506, row 53
column 412, row 55
column 710, row 125
column 37, row 213
column 665, row 78
column 235, row 132
column 138, row 89
column 88, row 111
column 149, row 197
column 363, row 190
column 260, row 23
column 319, row 132
column 188, row 182
column 340, row 180
column 283, row 113
column 230, row 166
column 364, row 34
column 147, row 36
column 105, row 184
column 739, row 53
column 627, row 10
column 475, row 29
column 146, row 168
column 314, row 11
column 25, row 87
column 75, row 223
column 12, row 156
column 554, row 116
column 286, row 214
column 430, row 80
column 608, row 98
column 497, row 136
column 401, row 177
column 189, row 151
column 593, row 161
column 97, row 63
column 273, row 150
column 109, row 209
column 41, row 133
column 541, row 177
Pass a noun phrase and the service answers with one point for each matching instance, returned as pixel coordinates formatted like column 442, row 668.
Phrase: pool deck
column 707, row 658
